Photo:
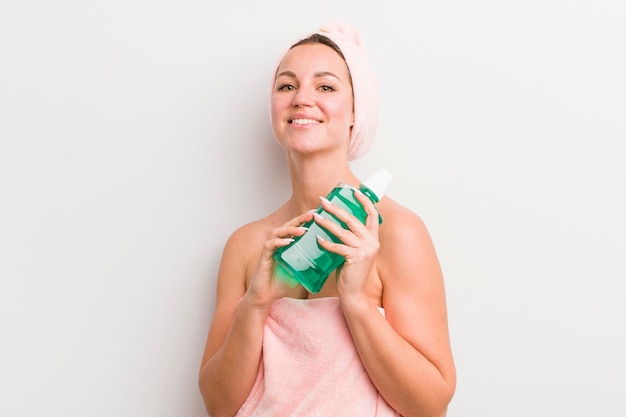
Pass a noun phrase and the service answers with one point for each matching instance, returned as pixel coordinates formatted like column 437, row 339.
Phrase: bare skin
column 394, row 265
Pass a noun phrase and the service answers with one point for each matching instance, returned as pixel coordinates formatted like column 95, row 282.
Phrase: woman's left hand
column 359, row 245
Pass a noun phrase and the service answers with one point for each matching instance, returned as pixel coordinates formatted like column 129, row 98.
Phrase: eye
column 327, row 88
column 286, row 87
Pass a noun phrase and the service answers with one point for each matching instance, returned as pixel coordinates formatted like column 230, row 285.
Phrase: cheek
column 274, row 113
column 343, row 110
column 278, row 105
column 347, row 108
column 277, row 111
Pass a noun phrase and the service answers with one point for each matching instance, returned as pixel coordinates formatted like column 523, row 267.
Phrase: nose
column 302, row 98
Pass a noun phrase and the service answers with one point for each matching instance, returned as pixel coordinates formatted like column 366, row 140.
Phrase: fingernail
column 288, row 239
column 317, row 215
column 303, row 228
column 321, row 239
column 325, row 200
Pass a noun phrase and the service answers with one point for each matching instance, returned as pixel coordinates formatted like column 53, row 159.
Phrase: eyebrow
column 318, row 74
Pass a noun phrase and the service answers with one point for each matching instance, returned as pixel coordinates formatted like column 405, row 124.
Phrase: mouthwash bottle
column 304, row 258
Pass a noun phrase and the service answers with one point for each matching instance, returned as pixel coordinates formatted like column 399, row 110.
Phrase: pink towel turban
column 364, row 85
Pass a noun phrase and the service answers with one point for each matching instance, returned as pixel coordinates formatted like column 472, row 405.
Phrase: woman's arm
column 407, row 354
column 233, row 351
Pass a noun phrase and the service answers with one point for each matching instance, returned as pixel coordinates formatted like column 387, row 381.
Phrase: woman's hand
column 359, row 245
column 266, row 285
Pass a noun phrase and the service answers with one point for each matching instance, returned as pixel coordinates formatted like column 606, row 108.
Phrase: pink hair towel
column 364, row 86
column 310, row 366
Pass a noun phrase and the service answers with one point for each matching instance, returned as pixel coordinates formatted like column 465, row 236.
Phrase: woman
column 383, row 312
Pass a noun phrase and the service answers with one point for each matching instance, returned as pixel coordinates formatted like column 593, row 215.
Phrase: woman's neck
column 312, row 178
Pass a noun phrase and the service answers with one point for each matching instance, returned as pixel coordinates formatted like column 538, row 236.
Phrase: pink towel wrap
column 310, row 366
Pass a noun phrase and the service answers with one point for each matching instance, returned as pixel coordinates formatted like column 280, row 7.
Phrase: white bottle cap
column 379, row 182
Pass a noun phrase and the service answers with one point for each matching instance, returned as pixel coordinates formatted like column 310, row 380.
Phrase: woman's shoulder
column 253, row 230
column 254, row 233
column 408, row 262
column 395, row 215
column 401, row 225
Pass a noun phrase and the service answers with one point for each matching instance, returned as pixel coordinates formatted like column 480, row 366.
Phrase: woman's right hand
column 265, row 286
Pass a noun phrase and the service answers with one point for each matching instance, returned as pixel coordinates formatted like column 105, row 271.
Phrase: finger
column 265, row 260
column 371, row 222
column 289, row 231
column 272, row 244
column 333, row 247
column 294, row 227
column 354, row 224
column 351, row 254
column 301, row 219
column 345, row 236
column 279, row 242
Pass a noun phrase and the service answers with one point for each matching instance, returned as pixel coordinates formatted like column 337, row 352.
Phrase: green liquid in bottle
column 304, row 258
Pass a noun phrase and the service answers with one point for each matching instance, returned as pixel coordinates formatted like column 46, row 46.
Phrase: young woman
column 374, row 340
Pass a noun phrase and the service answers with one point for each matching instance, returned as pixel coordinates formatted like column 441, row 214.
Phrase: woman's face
column 312, row 103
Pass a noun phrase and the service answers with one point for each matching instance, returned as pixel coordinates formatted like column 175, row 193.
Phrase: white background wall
column 134, row 138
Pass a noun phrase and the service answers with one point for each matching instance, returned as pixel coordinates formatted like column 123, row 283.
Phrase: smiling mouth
column 303, row 121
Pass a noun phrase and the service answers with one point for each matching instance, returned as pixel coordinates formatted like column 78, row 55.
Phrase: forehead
column 313, row 57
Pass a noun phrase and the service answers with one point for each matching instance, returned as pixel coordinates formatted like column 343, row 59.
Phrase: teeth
column 303, row 121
